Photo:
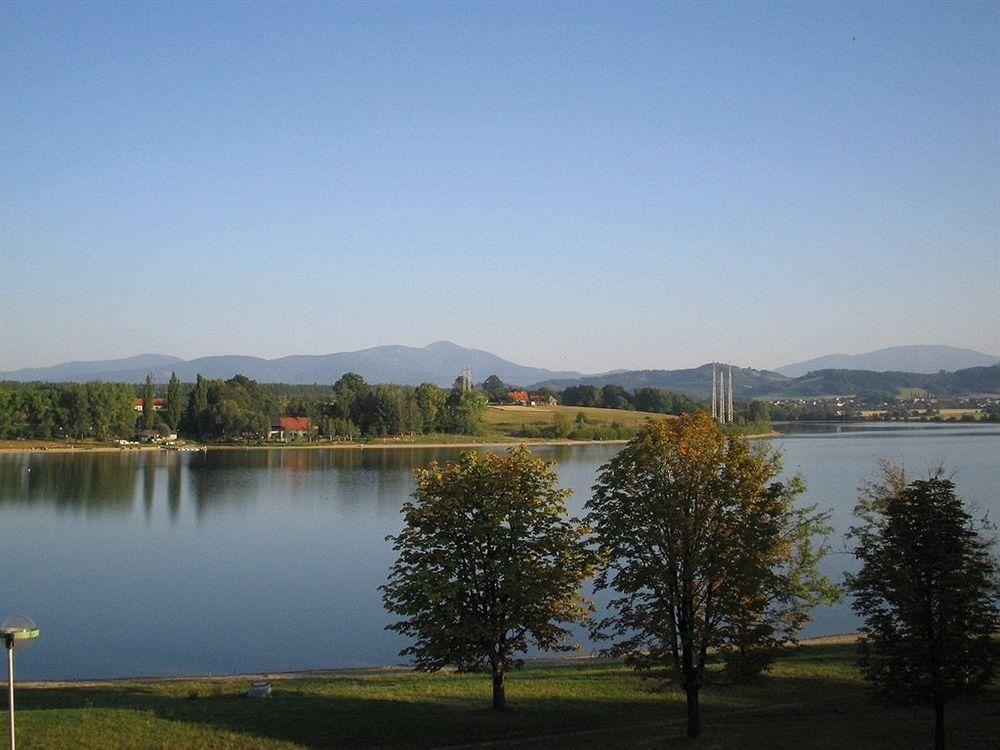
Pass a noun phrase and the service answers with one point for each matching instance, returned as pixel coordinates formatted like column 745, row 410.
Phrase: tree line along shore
column 242, row 411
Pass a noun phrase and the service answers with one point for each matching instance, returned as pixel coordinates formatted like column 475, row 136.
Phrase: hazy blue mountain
column 439, row 363
column 869, row 384
column 695, row 382
column 922, row 359
column 749, row 383
column 82, row 371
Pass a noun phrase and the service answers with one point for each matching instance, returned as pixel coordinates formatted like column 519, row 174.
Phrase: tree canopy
column 705, row 551
column 926, row 592
column 488, row 564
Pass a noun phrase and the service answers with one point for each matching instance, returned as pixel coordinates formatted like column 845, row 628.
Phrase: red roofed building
column 158, row 403
column 289, row 428
column 520, row 397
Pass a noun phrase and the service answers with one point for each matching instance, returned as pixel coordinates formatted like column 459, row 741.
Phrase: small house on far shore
column 531, row 399
column 158, row 404
column 284, row 429
column 153, row 436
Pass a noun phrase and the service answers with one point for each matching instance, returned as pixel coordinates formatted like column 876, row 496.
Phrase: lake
column 269, row 560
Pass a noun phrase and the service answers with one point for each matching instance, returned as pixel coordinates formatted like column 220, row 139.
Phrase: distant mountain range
column 438, row 363
column 764, row 384
column 443, row 361
column 922, row 359
column 869, row 384
column 695, row 382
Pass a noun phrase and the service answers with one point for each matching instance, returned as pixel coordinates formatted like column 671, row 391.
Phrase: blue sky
column 569, row 185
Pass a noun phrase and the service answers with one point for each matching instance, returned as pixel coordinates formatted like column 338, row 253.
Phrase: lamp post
column 19, row 634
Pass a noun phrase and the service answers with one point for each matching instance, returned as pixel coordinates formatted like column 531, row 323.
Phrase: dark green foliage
column 927, row 594
column 197, row 406
column 660, row 401
column 580, row 395
column 616, row 397
column 488, row 564
column 238, row 408
column 148, row 410
column 463, row 412
column 494, row 388
column 174, row 406
column 655, row 400
column 430, row 404
column 758, row 411
column 705, row 551
column 76, row 410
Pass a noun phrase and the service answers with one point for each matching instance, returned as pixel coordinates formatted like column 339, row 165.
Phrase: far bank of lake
column 223, row 561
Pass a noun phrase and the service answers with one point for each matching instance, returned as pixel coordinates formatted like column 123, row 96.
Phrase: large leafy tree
column 197, row 408
column 463, row 412
column 488, row 564
column 706, row 553
column 174, row 404
column 148, row 409
column 430, row 402
column 494, row 388
column 927, row 594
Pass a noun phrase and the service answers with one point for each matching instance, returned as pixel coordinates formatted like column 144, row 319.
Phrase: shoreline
column 490, row 443
column 335, row 672
column 493, row 442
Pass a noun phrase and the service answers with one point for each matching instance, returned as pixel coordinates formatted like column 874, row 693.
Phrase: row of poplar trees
column 707, row 557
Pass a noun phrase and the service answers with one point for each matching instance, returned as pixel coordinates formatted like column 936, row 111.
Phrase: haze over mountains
column 442, row 362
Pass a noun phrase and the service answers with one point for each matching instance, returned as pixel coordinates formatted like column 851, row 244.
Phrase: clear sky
column 569, row 185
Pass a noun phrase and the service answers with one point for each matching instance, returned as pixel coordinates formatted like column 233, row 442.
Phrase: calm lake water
column 239, row 561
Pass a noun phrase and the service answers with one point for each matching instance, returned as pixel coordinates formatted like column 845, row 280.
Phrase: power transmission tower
column 715, row 408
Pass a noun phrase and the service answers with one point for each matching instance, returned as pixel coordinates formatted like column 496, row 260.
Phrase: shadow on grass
column 295, row 713
column 810, row 697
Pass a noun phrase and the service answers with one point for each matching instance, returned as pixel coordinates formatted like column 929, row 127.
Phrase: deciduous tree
column 174, row 405
column 927, row 594
column 488, row 564
column 148, row 407
column 705, row 551
column 494, row 388
column 430, row 402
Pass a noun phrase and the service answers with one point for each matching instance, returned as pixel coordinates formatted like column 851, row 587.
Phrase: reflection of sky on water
column 198, row 559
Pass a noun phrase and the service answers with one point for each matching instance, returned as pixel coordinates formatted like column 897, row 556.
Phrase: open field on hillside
column 942, row 413
column 508, row 419
column 813, row 698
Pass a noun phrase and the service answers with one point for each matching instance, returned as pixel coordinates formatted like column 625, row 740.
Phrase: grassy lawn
column 24, row 445
column 813, row 698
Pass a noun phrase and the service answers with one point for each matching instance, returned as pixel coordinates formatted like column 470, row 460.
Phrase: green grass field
column 507, row 420
column 812, row 699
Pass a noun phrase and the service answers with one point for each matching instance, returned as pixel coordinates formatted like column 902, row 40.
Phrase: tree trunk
column 693, row 714
column 939, row 725
column 499, row 695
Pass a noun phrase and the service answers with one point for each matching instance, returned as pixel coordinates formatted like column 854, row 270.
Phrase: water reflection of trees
column 355, row 480
column 88, row 483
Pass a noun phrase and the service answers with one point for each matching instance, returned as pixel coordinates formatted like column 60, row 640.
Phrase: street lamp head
column 19, row 632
